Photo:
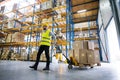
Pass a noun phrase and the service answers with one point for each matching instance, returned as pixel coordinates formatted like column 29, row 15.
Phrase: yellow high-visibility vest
column 46, row 38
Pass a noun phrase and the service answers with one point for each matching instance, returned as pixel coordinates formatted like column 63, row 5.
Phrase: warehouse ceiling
column 85, row 10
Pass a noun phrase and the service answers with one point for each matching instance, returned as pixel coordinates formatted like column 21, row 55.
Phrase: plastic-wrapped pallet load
column 49, row 4
column 44, row 6
column 63, row 2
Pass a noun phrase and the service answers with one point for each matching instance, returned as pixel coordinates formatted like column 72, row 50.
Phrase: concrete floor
column 19, row 70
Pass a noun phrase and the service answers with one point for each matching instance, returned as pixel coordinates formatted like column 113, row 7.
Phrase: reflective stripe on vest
column 46, row 38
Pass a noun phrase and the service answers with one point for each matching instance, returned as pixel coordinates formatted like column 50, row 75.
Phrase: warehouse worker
column 59, row 36
column 44, row 46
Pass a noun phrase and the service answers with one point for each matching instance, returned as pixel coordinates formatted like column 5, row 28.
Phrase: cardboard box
column 96, row 45
column 34, row 55
column 90, row 57
column 43, row 57
column 78, row 45
column 96, row 56
column 76, row 54
column 82, row 56
column 9, row 37
column 18, row 37
column 85, row 44
column 71, row 53
column 90, row 45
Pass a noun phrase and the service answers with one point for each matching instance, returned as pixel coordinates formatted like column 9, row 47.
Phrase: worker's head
column 45, row 26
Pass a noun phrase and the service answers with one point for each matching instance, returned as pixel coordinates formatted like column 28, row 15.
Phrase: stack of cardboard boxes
column 4, row 55
column 23, row 55
column 84, row 53
column 16, row 37
column 34, row 55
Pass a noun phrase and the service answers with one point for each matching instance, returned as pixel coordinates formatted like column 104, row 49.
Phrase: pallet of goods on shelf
column 16, row 37
column 13, row 24
column 18, row 29
column 4, row 55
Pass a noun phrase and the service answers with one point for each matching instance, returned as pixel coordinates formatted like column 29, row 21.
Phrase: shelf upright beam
column 52, row 46
column 71, row 25
column 31, row 28
column 67, row 25
column 100, row 50
column 89, row 27
column 20, row 46
column 16, row 18
column 2, row 11
column 38, row 33
column 38, row 37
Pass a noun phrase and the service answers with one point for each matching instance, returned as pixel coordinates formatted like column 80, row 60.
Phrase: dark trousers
column 41, row 49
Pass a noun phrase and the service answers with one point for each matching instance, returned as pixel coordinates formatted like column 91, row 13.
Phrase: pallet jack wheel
column 91, row 67
column 98, row 64
column 70, row 66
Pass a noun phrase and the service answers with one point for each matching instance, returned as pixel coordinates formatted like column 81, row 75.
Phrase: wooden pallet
column 89, row 65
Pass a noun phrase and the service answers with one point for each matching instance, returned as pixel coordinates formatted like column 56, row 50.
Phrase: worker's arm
column 53, row 37
column 63, row 37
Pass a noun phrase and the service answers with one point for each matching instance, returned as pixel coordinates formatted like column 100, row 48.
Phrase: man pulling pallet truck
column 44, row 46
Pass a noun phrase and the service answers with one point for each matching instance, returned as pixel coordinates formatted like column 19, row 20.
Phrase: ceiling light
column 80, row 11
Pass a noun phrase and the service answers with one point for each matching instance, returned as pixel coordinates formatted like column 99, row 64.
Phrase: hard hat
column 45, row 25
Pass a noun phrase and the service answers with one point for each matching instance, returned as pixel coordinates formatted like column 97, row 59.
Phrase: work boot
column 34, row 67
column 46, row 68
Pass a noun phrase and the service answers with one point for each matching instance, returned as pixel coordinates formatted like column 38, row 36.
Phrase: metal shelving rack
column 67, row 28
column 28, row 43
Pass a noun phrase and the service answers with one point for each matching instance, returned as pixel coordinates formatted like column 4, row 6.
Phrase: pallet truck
column 72, row 61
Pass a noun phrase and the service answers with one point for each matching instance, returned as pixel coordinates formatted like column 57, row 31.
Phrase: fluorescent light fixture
column 80, row 11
